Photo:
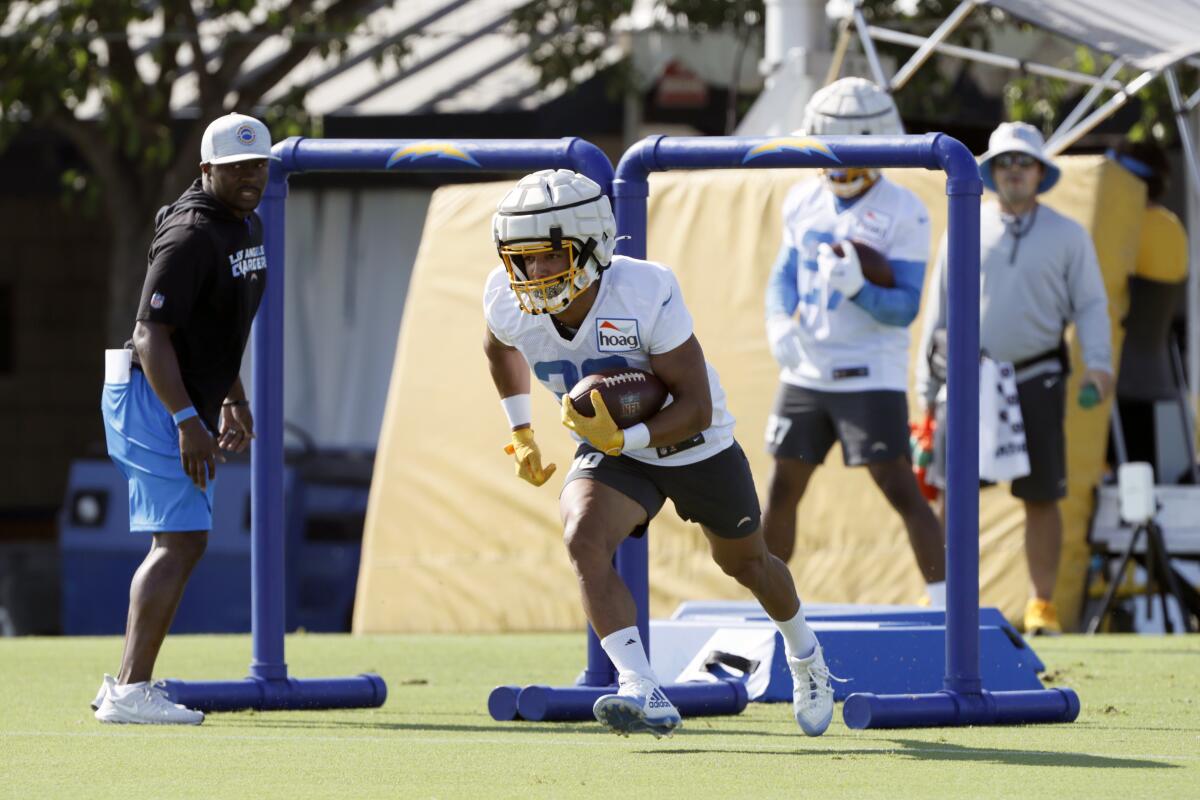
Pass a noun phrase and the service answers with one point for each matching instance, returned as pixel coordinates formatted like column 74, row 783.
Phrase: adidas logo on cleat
column 658, row 700
column 631, row 641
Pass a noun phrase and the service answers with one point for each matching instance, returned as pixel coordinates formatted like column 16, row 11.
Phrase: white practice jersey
column 639, row 311
column 844, row 347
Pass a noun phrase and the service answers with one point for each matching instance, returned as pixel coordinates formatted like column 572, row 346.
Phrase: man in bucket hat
column 1038, row 273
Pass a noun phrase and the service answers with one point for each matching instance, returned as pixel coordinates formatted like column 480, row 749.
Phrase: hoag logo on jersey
column 617, row 335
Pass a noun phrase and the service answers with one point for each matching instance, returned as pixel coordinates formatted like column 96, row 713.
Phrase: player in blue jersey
column 841, row 341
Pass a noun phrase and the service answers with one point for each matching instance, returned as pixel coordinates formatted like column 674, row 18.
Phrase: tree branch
column 209, row 95
column 254, row 85
column 234, row 55
column 118, row 181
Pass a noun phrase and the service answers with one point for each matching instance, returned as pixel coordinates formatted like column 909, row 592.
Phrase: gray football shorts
column 871, row 425
column 717, row 492
column 1043, row 408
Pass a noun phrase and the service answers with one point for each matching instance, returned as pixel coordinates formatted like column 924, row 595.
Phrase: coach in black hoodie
column 173, row 399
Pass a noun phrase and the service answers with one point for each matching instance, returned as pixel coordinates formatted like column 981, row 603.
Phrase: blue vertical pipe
column 300, row 155
column 633, row 556
column 266, row 454
column 963, row 188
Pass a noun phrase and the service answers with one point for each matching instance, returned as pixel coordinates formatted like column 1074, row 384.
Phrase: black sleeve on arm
column 178, row 257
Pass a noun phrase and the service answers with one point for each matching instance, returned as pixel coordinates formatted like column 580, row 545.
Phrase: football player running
column 842, row 342
column 550, row 307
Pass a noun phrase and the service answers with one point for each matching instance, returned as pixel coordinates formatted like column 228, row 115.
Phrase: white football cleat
column 144, row 704
column 107, row 684
column 639, row 706
column 812, row 694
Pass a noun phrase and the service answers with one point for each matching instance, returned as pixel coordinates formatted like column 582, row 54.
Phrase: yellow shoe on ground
column 1041, row 618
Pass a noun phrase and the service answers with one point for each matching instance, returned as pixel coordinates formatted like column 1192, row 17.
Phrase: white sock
column 798, row 639
column 121, row 691
column 937, row 594
column 625, row 649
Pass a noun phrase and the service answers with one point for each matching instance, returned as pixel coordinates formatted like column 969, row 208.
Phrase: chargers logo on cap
column 800, row 144
column 415, row 152
column 245, row 135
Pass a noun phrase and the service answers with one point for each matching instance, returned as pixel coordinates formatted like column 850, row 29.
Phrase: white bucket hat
column 1017, row 137
column 235, row 137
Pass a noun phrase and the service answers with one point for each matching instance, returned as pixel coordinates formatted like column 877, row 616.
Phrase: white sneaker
column 105, row 686
column 144, row 704
column 812, row 694
column 639, row 706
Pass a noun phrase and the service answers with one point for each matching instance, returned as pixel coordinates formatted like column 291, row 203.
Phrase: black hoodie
column 206, row 277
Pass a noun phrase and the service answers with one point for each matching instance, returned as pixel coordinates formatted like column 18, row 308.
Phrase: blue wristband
column 184, row 414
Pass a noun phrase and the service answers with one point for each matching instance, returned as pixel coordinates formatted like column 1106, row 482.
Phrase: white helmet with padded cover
column 548, row 211
column 851, row 107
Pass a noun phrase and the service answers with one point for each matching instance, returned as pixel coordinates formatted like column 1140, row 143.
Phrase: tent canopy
column 1150, row 35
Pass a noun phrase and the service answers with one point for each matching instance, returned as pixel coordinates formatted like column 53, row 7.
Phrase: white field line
column 459, row 741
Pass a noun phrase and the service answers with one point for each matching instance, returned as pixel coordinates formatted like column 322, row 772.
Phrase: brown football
column 630, row 395
column 875, row 266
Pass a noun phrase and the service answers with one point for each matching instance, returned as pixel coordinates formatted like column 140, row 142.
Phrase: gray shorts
column 1043, row 408
column 872, row 426
column 717, row 492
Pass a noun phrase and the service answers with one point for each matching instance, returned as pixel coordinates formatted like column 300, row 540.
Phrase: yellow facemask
column 851, row 182
column 548, row 295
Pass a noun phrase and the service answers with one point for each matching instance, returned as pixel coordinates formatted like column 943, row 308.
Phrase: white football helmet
column 851, row 107
column 550, row 211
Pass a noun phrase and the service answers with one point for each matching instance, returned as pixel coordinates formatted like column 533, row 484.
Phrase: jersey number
column 777, row 429
column 561, row 375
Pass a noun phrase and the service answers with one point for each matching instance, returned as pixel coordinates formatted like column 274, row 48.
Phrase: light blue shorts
column 144, row 443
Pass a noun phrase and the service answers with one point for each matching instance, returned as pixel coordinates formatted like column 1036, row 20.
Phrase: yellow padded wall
column 455, row 542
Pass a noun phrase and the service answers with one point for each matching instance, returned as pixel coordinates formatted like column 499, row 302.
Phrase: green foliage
column 1045, row 102
column 570, row 34
column 102, row 73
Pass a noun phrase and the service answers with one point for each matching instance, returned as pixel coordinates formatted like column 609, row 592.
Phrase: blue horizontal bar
column 562, row 704
column 361, row 691
column 948, row 708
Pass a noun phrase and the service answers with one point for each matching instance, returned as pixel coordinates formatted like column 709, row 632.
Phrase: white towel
column 1003, row 454
column 117, row 365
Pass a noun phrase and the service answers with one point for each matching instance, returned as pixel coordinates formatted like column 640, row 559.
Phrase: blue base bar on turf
column 876, row 649
column 287, row 694
column 573, row 703
column 948, row 708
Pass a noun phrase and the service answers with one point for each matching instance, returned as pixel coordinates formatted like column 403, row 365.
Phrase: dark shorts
column 1043, row 401
column 872, row 426
column 717, row 492
column 1043, row 408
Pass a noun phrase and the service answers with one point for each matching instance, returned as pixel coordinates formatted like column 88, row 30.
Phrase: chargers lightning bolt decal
column 436, row 150
column 800, row 144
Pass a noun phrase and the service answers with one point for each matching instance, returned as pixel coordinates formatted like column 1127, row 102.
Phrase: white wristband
column 637, row 437
column 518, row 410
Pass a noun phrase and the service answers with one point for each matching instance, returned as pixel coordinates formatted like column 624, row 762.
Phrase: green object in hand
column 1089, row 395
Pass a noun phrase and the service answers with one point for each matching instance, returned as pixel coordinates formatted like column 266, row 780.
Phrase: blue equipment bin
column 99, row 554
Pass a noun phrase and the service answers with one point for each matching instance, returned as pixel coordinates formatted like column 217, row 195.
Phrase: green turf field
column 1137, row 737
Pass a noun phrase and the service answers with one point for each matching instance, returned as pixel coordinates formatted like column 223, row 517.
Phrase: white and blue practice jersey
column 639, row 312
column 857, row 344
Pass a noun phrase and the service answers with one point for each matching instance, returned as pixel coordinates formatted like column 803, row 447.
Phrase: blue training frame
column 268, row 686
column 963, row 700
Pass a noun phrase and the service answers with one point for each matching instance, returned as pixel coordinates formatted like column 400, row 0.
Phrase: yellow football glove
column 528, row 457
column 600, row 431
